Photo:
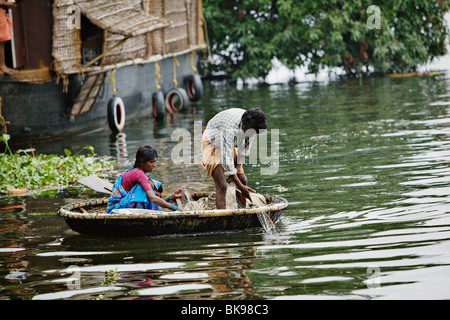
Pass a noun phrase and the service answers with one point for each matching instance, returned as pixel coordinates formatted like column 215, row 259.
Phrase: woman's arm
column 138, row 176
column 177, row 194
column 159, row 201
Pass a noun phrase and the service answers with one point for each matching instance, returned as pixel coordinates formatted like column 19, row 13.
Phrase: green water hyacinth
column 37, row 172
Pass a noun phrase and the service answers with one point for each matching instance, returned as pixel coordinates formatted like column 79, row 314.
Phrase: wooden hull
column 36, row 111
column 89, row 217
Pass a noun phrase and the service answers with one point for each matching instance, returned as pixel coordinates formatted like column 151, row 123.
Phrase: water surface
column 364, row 165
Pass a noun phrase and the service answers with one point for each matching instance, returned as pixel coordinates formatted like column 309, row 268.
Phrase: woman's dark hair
column 254, row 119
column 144, row 153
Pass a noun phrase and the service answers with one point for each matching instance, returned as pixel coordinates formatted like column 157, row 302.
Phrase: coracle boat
column 90, row 217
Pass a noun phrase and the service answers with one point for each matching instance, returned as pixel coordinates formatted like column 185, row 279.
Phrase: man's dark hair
column 254, row 119
column 144, row 153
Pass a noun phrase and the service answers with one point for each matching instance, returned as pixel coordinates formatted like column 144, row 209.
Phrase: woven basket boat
column 90, row 217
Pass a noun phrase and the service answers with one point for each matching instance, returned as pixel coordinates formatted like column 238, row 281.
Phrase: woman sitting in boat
column 132, row 189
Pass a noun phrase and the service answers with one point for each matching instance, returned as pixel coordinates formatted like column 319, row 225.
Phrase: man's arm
column 243, row 188
column 227, row 152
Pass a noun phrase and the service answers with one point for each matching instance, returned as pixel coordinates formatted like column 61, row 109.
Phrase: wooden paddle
column 97, row 184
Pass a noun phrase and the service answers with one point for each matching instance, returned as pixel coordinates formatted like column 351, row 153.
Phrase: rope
column 3, row 122
column 194, row 69
column 65, row 80
column 205, row 29
column 175, row 64
column 112, row 79
column 157, row 75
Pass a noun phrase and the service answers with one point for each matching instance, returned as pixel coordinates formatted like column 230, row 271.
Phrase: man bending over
column 226, row 142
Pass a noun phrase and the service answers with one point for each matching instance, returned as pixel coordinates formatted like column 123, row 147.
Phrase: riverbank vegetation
column 359, row 36
column 37, row 172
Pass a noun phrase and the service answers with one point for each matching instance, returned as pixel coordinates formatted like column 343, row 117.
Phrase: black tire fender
column 177, row 100
column 116, row 114
column 158, row 105
column 194, row 87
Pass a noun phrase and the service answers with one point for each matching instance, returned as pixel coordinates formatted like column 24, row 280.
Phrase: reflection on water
column 363, row 164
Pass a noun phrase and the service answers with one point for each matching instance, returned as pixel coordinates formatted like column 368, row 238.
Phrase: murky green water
column 363, row 164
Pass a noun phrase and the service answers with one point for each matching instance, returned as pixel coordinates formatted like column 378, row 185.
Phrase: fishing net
column 209, row 203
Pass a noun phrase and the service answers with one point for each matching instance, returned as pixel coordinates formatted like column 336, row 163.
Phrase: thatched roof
column 120, row 17
column 133, row 31
column 66, row 41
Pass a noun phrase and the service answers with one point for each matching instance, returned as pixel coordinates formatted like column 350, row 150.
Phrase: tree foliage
column 245, row 35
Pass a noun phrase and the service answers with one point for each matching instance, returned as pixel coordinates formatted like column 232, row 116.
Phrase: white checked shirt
column 224, row 131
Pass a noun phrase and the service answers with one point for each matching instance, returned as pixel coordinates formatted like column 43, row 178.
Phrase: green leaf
column 5, row 137
column 49, row 171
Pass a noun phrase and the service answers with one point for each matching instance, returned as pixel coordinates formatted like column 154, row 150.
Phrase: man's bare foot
column 8, row 71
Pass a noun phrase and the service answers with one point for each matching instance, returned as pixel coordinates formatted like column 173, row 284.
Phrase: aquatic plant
column 110, row 277
column 37, row 172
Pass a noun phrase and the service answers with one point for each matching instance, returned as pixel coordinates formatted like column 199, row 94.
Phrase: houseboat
column 88, row 64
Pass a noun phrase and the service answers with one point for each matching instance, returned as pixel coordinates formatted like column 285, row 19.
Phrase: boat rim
column 277, row 203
